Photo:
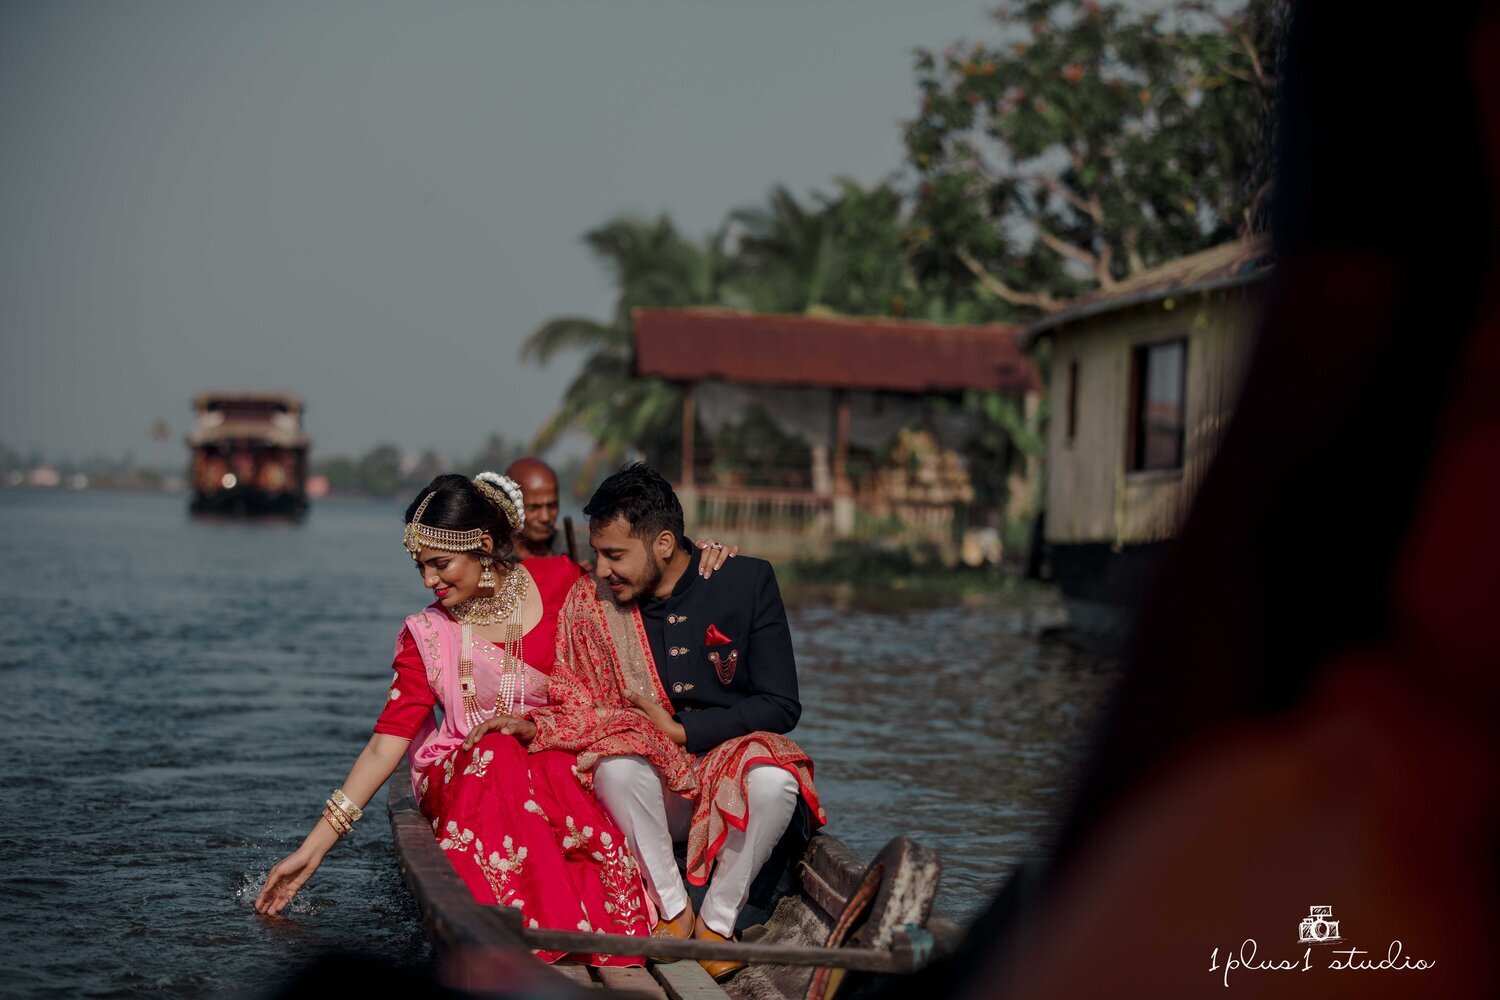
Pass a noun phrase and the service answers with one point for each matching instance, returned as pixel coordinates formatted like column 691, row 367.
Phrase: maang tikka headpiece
column 501, row 490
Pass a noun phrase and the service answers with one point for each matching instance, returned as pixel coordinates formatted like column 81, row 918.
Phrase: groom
column 676, row 692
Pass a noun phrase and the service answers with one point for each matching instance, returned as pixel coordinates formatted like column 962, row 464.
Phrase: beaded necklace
column 504, row 607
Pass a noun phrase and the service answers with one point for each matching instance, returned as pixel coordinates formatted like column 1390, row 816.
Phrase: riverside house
column 798, row 431
column 1143, row 377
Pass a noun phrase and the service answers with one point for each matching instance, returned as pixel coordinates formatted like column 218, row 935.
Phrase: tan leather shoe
column 680, row 926
column 717, row 970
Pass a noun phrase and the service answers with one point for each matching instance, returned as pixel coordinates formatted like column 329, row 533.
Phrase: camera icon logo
column 1318, row 927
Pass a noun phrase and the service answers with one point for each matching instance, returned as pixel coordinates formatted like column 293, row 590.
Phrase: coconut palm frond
column 568, row 333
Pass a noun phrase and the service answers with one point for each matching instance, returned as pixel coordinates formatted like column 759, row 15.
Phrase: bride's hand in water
column 283, row 881
column 508, row 725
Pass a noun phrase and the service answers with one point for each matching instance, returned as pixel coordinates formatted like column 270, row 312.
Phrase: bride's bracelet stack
column 341, row 813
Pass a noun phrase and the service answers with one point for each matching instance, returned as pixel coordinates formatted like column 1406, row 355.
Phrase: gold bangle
column 330, row 821
column 354, row 812
column 339, row 814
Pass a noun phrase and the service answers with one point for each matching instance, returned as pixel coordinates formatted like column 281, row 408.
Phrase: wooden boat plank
column 795, row 920
column 859, row 959
column 687, row 981
column 635, row 982
column 578, row 974
column 785, row 950
column 830, row 873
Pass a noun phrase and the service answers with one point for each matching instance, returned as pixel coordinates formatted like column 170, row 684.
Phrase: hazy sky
column 372, row 204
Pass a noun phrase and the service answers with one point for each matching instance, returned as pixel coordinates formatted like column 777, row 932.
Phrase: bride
column 519, row 828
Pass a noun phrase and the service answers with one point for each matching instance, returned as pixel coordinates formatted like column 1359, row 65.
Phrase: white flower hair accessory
column 506, row 494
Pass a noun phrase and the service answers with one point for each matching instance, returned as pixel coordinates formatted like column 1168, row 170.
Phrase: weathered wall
column 1090, row 496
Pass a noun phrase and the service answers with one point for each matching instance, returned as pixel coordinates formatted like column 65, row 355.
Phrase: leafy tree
column 341, row 472
column 379, row 471
column 653, row 266
column 496, row 454
column 1088, row 143
column 786, row 254
column 844, row 253
column 428, row 466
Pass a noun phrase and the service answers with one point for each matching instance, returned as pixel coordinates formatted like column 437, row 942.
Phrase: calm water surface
column 179, row 696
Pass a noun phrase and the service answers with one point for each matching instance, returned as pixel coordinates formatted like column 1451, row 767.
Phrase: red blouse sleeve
column 410, row 700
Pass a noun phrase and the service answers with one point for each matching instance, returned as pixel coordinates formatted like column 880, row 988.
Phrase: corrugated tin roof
column 1235, row 263
column 695, row 345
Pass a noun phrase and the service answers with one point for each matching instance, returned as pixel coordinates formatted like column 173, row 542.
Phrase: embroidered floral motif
column 536, row 810
column 433, row 644
column 499, row 871
column 424, row 792
column 619, row 874
column 448, row 767
column 395, row 693
column 576, row 838
column 621, row 879
column 458, row 840
column 479, row 763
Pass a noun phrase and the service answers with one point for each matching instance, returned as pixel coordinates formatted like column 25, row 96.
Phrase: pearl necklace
column 510, row 694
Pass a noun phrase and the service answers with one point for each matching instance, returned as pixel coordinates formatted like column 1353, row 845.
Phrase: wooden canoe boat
column 880, row 913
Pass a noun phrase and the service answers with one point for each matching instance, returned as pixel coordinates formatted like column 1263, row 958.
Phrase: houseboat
column 249, row 454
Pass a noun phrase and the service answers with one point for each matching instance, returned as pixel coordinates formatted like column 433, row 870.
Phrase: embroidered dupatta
column 602, row 652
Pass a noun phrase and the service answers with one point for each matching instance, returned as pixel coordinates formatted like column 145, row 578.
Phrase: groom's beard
column 633, row 591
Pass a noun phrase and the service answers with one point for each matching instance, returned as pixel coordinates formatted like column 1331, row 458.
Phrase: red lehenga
column 520, row 828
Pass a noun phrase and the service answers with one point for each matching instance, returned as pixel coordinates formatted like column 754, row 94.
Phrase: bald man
column 538, row 482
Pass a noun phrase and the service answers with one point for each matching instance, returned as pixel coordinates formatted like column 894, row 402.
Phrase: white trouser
column 652, row 817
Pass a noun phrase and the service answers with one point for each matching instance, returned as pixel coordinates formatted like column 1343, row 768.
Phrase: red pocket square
column 713, row 637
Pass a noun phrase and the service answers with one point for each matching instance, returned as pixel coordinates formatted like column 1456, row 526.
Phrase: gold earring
column 487, row 577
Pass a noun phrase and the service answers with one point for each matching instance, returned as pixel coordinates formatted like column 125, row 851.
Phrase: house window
column 1157, row 394
column 1072, row 421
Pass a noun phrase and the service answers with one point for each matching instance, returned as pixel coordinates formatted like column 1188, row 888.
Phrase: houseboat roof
column 1238, row 262
column 840, row 352
column 287, row 399
column 247, row 430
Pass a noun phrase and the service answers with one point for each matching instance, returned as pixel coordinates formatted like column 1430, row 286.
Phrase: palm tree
column 845, row 253
column 653, row 266
column 786, row 253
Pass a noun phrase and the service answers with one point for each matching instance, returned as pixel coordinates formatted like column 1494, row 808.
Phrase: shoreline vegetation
column 866, row 574
column 874, row 575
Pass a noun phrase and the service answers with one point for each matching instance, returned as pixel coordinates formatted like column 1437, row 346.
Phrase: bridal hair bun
column 506, row 495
